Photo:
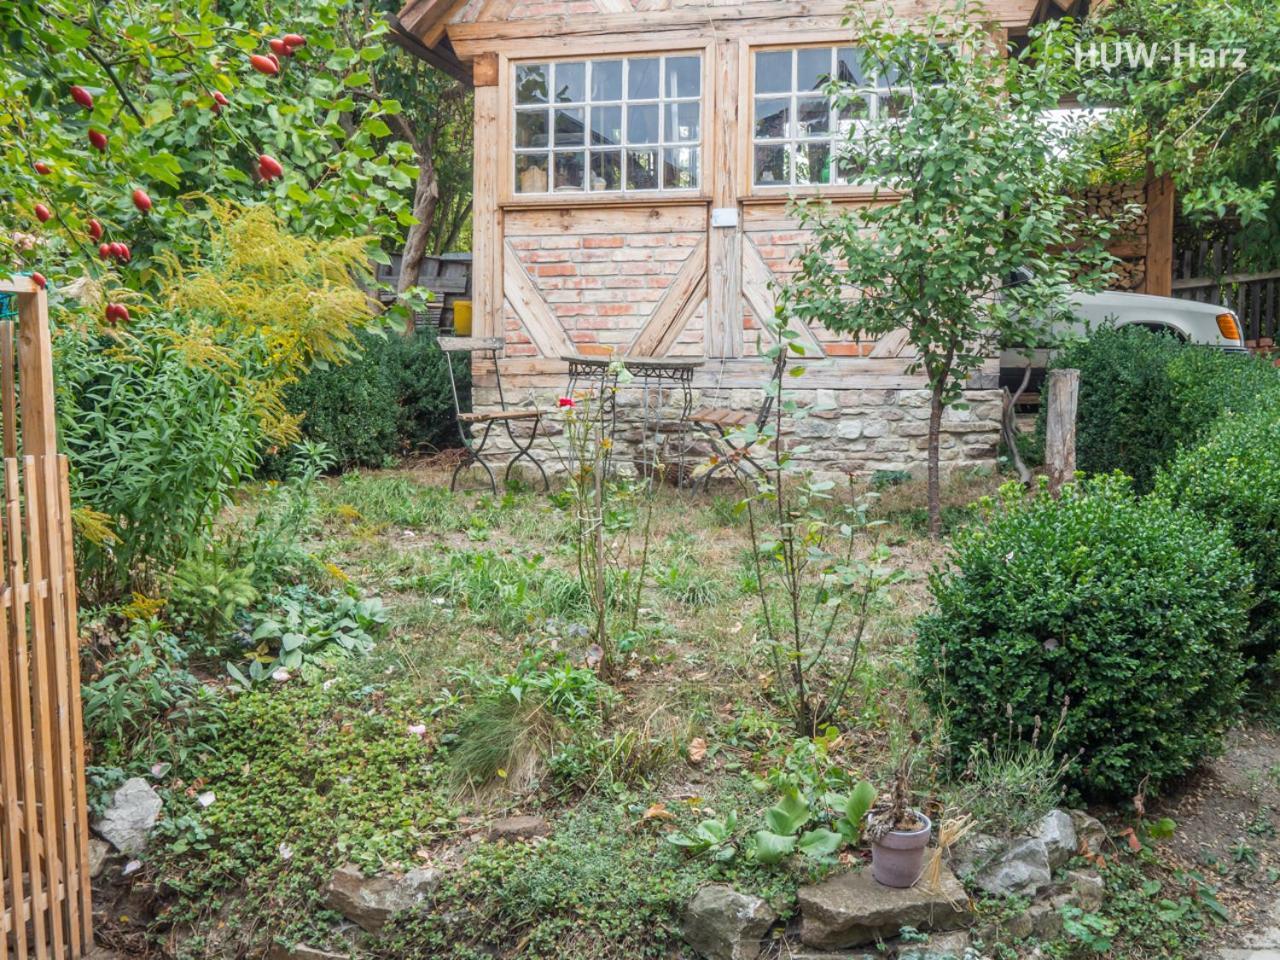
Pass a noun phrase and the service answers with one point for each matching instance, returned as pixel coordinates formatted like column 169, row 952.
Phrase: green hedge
column 394, row 399
column 1130, row 610
column 1233, row 478
column 1144, row 395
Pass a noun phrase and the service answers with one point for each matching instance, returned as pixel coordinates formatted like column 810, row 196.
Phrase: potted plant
column 898, row 832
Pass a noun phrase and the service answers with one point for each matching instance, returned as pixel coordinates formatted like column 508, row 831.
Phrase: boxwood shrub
column 1144, row 395
column 394, row 399
column 1233, row 478
column 1128, row 610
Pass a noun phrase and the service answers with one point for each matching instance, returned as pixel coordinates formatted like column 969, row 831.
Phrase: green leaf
column 789, row 814
column 770, row 848
column 819, row 844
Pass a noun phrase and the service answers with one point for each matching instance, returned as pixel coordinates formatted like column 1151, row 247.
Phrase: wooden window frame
column 510, row 197
column 748, row 189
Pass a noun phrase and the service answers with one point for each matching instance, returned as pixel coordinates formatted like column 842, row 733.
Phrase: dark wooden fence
column 1207, row 271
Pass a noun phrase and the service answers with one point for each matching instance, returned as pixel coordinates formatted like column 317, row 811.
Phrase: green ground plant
column 1145, row 395
column 520, row 724
column 1233, row 479
column 1045, row 604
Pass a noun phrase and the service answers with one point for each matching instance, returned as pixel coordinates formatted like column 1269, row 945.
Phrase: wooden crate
column 44, row 833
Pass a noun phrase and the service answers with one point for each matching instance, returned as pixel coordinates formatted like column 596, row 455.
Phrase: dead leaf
column 658, row 811
column 697, row 750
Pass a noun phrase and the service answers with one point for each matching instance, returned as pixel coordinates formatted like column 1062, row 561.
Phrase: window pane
column 531, row 83
column 773, row 118
column 642, row 169
column 570, row 170
column 771, row 165
column 606, row 80
column 684, row 77
column 813, row 116
column 680, row 168
column 889, row 77
column 571, row 82
column 858, row 108
column 606, row 126
column 773, row 71
column 684, row 122
column 813, row 68
column 570, row 127
column 531, row 173
column 813, row 163
column 642, row 124
column 532, row 128
column 895, row 104
column 606, row 170
column 642, row 79
column 849, row 171
column 850, row 67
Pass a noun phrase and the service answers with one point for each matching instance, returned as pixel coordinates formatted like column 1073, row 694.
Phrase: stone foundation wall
column 859, row 432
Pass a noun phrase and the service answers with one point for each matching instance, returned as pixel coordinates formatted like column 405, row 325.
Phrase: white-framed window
column 797, row 127
column 618, row 125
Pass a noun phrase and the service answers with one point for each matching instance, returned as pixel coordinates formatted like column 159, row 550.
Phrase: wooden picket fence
column 1207, row 271
column 44, row 832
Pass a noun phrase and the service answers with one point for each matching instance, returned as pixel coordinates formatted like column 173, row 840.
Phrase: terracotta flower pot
column 897, row 859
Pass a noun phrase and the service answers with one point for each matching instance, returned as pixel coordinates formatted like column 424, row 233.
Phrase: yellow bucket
column 462, row 318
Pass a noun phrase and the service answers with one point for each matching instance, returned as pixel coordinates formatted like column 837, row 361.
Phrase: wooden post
column 486, row 217
column 723, row 334
column 1160, row 217
column 1062, row 391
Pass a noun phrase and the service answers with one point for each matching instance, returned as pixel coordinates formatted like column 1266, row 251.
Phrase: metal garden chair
column 490, row 348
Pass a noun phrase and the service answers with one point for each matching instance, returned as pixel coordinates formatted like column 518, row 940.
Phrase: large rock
column 133, row 811
column 852, row 909
column 1021, row 870
column 1090, row 833
column 723, row 924
column 1058, row 834
column 1087, row 889
column 370, row 902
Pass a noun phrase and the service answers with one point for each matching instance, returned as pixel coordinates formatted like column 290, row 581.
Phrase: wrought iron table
column 603, row 376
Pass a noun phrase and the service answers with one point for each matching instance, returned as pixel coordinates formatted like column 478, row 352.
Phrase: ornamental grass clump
column 1233, row 479
column 1130, row 611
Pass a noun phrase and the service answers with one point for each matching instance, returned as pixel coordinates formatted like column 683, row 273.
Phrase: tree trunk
column 425, row 199
column 1062, row 391
column 935, row 456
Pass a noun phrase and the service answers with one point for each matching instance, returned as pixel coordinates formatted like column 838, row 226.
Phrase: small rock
column 1021, row 870
column 1090, row 833
column 518, row 828
column 1086, row 888
column 941, row 946
column 723, row 924
column 133, row 811
column 369, row 902
column 852, row 910
column 1058, row 834
column 1046, row 917
column 301, row 951
column 99, row 850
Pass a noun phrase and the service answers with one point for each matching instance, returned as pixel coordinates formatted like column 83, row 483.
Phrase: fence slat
column 43, row 685
column 31, row 825
column 69, row 597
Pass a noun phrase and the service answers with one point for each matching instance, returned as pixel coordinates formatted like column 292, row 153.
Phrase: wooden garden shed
column 634, row 161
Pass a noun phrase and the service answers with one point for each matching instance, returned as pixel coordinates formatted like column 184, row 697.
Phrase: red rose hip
column 98, row 139
column 83, row 97
column 95, row 230
column 43, row 213
column 141, row 200
column 264, row 64
column 269, row 168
